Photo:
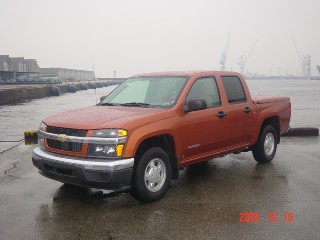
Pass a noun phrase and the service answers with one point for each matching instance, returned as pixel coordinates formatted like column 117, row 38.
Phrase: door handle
column 247, row 110
column 221, row 114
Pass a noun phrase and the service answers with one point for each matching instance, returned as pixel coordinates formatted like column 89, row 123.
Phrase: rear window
column 234, row 89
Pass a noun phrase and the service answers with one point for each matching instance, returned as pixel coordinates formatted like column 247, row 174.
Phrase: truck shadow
column 82, row 194
column 198, row 172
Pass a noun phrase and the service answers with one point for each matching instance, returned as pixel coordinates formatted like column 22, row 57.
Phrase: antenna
column 94, row 81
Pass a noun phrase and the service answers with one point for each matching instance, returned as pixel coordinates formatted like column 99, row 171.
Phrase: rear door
column 239, row 119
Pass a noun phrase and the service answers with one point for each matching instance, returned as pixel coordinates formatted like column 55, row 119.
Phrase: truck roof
column 186, row 73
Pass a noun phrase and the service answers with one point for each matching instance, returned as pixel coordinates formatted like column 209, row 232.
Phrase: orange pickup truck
column 152, row 125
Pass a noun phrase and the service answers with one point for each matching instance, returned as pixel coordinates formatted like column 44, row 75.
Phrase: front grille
column 66, row 146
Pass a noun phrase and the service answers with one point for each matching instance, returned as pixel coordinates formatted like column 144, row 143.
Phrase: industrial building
column 25, row 70
column 18, row 68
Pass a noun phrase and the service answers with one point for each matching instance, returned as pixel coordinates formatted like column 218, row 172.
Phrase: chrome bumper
column 86, row 163
column 87, row 172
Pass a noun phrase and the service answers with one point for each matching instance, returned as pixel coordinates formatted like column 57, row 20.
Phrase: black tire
column 264, row 153
column 157, row 161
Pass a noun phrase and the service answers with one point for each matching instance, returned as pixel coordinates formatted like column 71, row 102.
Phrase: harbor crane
column 242, row 61
column 305, row 61
column 223, row 59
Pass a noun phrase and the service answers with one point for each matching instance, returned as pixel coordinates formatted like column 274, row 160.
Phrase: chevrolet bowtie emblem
column 62, row 137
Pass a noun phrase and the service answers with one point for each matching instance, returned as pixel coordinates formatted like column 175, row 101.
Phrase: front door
column 202, row 131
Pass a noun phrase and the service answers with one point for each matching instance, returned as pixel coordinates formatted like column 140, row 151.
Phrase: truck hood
column 99, row 117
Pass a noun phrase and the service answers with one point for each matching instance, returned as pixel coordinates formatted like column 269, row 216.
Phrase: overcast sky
column 147, row 35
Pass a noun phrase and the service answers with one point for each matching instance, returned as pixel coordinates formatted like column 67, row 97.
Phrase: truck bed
column 268, row 99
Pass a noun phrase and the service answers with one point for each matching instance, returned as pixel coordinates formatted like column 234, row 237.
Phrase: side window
column 234, row 89
column 206, row 88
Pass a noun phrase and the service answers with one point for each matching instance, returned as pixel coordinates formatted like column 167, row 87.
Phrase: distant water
column 14, row 120
column 304, row 96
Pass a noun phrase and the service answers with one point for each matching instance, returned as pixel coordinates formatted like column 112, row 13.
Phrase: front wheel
column 266, row 147
column 151, row 176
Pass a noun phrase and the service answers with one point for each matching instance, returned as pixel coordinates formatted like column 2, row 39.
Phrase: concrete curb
column 293, row 132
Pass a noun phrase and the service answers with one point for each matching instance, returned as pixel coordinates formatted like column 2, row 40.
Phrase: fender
column 164, row 126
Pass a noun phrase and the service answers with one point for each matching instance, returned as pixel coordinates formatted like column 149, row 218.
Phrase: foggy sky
column 148, row 35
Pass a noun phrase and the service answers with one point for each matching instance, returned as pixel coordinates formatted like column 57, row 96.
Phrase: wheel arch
column 273, row 121
column 167, row 143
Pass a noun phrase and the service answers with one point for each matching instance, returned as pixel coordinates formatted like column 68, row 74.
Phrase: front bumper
column 88, row 172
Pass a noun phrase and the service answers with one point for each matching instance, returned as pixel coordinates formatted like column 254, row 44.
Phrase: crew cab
column 152, row 125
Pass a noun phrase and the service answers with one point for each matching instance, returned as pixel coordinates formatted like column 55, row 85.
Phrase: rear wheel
column 266, row 147
column 152, row 175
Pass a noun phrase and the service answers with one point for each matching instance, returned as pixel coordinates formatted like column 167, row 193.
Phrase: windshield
column 147, row 92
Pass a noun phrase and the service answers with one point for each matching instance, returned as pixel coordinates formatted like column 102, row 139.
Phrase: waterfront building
column 12, row 68
column 66, row 75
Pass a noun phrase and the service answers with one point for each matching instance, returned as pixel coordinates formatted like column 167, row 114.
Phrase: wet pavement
column 205, row 203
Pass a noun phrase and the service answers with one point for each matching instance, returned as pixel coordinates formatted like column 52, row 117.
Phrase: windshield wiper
column 135, row 104
column 107, row 104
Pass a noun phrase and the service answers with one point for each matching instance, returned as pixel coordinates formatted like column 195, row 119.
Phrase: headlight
column 42, row 127
column 109, row 150
column 109, row 133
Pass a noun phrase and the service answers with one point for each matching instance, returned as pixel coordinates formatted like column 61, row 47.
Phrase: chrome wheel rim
column 155, row 175
column 269, row 143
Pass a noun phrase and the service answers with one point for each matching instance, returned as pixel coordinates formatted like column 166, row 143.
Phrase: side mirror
column 195, row 104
